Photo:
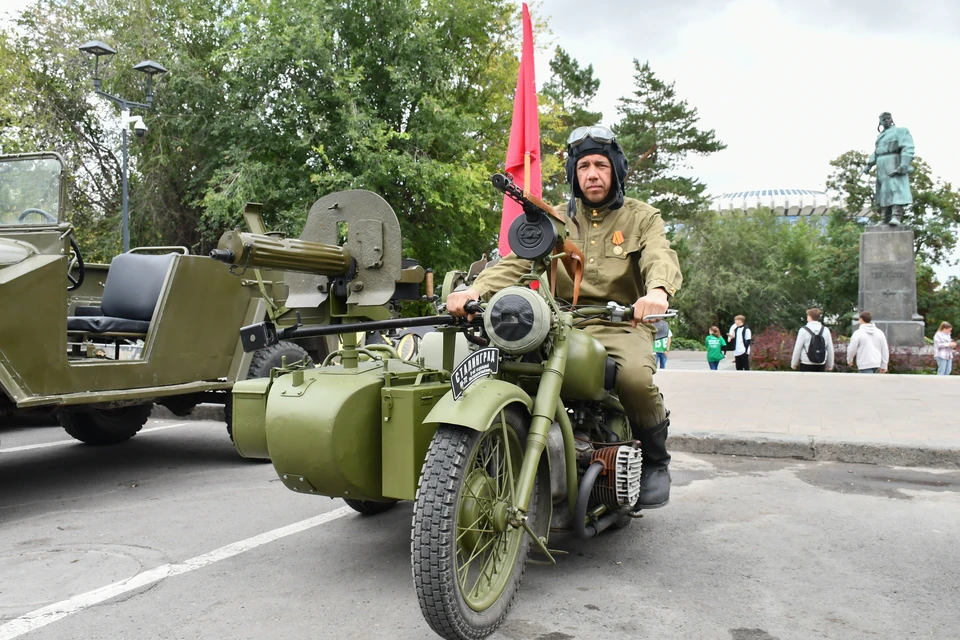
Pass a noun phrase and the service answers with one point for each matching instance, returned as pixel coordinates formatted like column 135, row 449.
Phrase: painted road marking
column 58, row 443
column 49, row 614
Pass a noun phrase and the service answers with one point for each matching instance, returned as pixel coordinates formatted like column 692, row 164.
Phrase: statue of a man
column 892, row 157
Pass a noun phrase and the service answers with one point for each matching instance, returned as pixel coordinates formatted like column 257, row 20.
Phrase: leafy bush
column 773, row 349
column 687, row 344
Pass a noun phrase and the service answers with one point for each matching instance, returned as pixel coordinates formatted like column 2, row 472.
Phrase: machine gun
column 345, row 267
column 540, row 232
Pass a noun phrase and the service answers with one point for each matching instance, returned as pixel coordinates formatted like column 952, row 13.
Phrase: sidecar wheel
column 370, row 507
column 467, row 560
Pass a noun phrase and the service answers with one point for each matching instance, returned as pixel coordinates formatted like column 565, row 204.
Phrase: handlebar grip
column 472, row 306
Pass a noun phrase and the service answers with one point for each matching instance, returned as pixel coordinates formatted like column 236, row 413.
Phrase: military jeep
column 98, row 345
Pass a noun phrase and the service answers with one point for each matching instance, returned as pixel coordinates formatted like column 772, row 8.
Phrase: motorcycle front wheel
column 468, row 561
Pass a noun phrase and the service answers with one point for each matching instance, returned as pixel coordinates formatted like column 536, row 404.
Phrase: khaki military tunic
column 626, row 253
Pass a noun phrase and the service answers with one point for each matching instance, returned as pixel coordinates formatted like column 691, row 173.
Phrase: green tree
column 565, row 105
column 835, row 269
column 658, row 132
column 936, row 302
column 758, row 265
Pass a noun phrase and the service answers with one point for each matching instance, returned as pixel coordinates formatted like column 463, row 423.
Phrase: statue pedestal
column 888, row 284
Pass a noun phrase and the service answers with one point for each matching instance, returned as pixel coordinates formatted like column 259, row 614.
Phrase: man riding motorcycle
column 627, row 259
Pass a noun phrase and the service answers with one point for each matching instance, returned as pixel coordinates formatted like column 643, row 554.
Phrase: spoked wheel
column 468, row 560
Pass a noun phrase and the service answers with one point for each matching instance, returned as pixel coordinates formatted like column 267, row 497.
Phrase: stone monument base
column 900, row 333
column 888, row 284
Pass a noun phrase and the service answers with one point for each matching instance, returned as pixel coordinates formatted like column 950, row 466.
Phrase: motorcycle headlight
column 517, row 320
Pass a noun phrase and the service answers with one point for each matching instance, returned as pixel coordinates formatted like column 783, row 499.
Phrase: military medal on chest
column 617, row 242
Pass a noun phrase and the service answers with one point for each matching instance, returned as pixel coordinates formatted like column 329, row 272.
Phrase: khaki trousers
column 633, row 351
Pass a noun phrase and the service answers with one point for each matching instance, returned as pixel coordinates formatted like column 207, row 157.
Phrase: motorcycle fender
column 476, row 409
column 478, row 405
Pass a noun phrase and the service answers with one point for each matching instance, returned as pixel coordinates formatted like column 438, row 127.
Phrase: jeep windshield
column 30, row 190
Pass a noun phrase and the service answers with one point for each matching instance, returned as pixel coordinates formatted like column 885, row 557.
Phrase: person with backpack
column 814, row 348
column 738, row 340
column 661, row 345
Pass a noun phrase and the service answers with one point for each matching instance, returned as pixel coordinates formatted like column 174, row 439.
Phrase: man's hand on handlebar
column 458, row 299
column 654, row 303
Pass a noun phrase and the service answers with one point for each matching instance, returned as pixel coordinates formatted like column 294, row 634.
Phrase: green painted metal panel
column 249, row 399
column 586, row 365
column 405, row 436
column 323, row 435
column 480, row 402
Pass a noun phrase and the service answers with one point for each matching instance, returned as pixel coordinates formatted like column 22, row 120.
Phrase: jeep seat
column 130, row 294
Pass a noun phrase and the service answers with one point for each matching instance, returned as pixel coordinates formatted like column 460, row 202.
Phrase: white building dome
column 785, row 202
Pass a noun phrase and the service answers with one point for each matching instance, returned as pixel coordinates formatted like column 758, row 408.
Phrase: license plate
column 479, row 364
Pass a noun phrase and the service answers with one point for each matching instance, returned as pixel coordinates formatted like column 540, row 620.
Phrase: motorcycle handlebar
column 472, row 306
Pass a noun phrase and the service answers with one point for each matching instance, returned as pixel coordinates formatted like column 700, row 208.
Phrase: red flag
column 524, row 135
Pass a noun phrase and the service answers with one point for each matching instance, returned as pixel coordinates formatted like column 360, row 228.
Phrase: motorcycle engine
column 619, row 483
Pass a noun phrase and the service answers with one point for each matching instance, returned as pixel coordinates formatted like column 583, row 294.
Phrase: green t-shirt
column 714, row 346
column 660, row 346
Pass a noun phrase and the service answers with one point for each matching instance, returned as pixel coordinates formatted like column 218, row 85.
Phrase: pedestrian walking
column 868, row 347
column 715, row 344
column 814, row 348
column 661, row 346
column 943, row 348
column 740, row 337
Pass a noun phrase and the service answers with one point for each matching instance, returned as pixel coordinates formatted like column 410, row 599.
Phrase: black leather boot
column 655, row 463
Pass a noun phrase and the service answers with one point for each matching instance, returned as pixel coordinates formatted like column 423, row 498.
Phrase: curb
column 758, row 445
column 860, row 451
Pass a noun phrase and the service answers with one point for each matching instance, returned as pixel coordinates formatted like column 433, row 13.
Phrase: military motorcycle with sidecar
column 505, row 429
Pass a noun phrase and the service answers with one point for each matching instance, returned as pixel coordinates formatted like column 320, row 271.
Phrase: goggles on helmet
column 579, row 135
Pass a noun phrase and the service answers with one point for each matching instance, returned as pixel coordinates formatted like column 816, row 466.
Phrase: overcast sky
column 787, row 84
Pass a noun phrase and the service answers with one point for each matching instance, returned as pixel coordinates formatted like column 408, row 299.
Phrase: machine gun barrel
column 256, row 251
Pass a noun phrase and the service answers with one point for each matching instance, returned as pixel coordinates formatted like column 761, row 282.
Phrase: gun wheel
column 468, row 560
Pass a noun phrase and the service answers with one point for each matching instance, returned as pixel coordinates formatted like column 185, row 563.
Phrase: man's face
column 886, row 121
column 594, row 175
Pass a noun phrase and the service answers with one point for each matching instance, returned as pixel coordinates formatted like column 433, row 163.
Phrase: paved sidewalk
column 900, row 420
column 884, row 419
column 696, row 361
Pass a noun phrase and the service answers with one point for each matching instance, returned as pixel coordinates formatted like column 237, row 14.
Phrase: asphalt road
column 748, row 550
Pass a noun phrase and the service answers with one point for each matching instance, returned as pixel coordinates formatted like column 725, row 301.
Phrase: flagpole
column 526, row 174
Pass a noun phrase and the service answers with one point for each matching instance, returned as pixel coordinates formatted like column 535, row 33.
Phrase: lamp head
column 150, row 69
column 97, row 49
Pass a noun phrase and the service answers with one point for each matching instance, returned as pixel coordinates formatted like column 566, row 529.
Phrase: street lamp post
column 150, row 69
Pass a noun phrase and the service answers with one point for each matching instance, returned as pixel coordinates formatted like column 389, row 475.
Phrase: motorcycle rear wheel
column 467, row 561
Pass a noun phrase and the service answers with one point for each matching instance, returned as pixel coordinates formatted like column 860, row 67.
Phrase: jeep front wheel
column 104, row 426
